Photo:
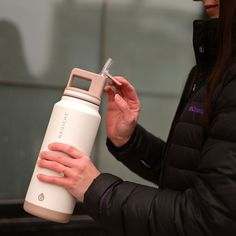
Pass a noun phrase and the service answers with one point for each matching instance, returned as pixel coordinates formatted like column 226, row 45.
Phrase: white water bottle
column 75, row 121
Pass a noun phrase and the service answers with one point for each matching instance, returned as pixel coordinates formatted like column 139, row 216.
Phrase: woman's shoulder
column 225, row 94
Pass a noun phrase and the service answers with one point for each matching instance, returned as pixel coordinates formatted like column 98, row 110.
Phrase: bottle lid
column 87, row 85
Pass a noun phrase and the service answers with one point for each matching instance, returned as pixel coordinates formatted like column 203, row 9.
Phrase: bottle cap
column 93, row 89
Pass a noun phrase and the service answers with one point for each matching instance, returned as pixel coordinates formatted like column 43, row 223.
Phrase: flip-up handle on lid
column 94, row 91
column 95, row 81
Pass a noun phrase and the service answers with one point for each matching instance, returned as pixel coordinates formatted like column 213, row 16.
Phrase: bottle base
column 46, row 213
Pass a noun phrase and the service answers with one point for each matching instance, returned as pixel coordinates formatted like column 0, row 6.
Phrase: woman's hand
column 122, row 111
column 77, row 169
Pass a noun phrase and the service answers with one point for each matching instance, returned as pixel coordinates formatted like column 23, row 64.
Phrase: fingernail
column 117, row 96
column 51, row 146
column 43, row 153
column 38, row 176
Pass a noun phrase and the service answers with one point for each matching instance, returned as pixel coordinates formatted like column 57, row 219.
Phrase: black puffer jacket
column 196, row 171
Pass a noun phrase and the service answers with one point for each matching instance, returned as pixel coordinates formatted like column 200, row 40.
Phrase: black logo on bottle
column 63, row 124
column 41, row 197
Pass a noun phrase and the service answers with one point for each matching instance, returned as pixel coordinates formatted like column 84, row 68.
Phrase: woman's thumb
column 123, row 106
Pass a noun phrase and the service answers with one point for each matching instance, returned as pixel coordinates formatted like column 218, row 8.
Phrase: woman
column 195, row 169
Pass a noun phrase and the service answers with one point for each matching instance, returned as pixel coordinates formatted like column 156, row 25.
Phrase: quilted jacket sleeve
column 208, row 208
column 142, row 154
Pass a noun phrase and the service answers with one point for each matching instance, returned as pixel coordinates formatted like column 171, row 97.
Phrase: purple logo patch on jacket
column 196, row 109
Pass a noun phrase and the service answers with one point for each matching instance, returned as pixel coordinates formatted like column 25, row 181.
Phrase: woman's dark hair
column 226, row 49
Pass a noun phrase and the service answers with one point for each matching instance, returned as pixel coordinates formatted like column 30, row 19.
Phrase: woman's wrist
column 119, row 142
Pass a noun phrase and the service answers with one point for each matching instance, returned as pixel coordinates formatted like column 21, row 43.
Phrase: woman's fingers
column 51, row 165
column 56, row 156
column 67, row 149
column 124, row 108
column 110, row 93
column 59, row 163
column 56, row 167
column 126, row 91
column 63, row 182
column 59, row 158
column 125, row 88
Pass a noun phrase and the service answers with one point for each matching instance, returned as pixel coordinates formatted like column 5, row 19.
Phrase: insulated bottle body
column 75, row 122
